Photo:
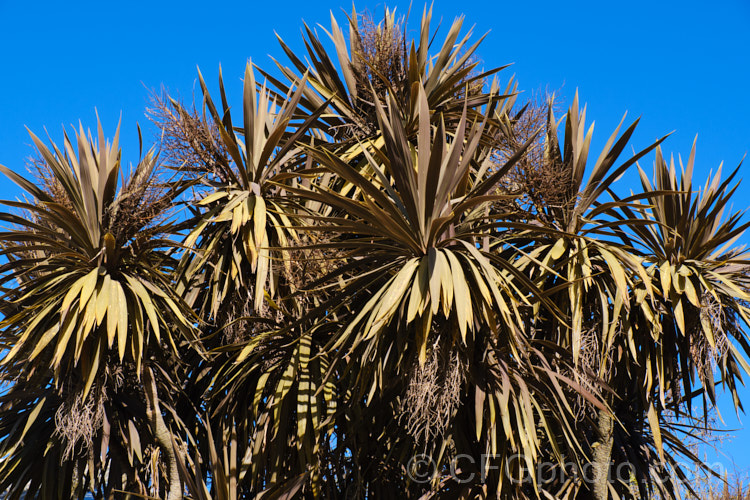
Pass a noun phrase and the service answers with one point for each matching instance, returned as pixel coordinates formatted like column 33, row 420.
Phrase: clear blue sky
column 682, row 66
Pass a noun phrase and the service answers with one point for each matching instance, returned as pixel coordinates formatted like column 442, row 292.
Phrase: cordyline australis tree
column 383, row 256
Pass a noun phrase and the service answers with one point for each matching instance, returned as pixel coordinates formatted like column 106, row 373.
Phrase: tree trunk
column 602, row 456
column 162, row 435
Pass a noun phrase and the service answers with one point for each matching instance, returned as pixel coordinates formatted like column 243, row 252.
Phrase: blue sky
column 681, row 66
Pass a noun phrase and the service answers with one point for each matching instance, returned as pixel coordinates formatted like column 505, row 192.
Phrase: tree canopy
column 379, row 275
